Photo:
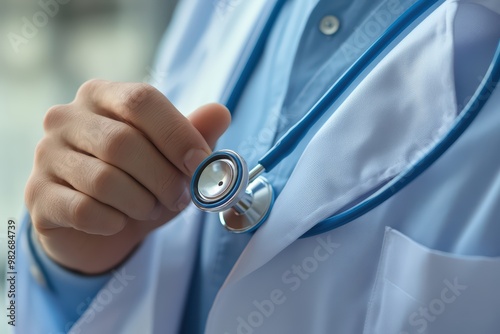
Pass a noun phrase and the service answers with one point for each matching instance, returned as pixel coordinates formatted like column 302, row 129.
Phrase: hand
column 114, row 165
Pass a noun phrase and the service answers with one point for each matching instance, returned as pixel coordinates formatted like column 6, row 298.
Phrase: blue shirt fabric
column 298, row 65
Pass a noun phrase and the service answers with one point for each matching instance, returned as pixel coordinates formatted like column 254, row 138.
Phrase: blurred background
column 74, row 41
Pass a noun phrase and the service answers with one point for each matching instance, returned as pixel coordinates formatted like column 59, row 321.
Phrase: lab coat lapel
column 403, row 106
column 229, row 31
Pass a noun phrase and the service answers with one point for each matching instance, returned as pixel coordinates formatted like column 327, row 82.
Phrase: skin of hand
column 113, row 165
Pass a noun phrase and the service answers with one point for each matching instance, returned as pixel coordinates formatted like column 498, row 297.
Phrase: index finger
column 147, row 109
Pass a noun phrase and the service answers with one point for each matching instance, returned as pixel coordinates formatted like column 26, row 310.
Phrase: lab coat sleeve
column 50, row 298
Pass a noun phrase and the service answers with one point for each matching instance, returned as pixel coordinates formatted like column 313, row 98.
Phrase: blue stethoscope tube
column 292, row 138
column 463, row 121
column 289, row 141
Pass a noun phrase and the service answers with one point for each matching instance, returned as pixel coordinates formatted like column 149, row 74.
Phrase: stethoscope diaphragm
column 221, row 184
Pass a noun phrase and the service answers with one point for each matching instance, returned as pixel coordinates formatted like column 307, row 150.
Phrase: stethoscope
column 244, row 199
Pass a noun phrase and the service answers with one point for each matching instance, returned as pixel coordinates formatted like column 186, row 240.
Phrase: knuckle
column 175, row 134
column 80, row 207
column 41, row 223
column 32, row 191
column 36, row 199
column 171, row 185
column 166, row 184
column 102, row 180
column 88, row 87
column 86, row 217
column 117, row 140
column 41, row 151
column 55, row 117
column 136, row 96
column 37, row 220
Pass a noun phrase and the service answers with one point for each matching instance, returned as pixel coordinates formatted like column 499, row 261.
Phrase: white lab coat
column 380, row 273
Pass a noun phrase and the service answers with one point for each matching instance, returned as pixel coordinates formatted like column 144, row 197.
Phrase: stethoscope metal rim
column 263, row 200
column 244, row 206
column 230, row 197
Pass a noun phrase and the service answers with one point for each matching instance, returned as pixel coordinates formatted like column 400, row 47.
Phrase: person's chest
column 365, row 139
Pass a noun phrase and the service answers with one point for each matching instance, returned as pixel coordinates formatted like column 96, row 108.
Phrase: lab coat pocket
column 420, row 290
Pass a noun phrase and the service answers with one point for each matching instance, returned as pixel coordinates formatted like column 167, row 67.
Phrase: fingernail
column 184, row 200
column 193, row 159
column 156, row 213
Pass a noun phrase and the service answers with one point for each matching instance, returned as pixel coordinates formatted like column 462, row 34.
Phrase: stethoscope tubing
column 296, row 133
column 251, row 55
column 288, row 142
column 467, row 116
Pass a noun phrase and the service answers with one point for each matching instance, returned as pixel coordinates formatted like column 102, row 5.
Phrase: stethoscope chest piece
column 221, row 184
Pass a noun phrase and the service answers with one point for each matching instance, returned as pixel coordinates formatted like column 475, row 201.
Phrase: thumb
column 211, row 120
